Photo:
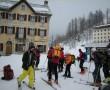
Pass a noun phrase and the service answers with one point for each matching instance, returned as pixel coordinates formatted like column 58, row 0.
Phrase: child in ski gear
column 68, row 62
column 61, row 61
column 28, row 60
column 8, row 73
column 37, row 57
column 81, row 59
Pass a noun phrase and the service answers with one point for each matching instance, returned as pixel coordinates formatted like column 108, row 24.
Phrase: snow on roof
column 6, row 4
column 102, row 26
column 36, row 7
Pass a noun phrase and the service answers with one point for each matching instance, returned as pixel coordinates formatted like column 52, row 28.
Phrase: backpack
column 69, row 58
column 8, row 73
column 85, row 56
column 56, row 53
column 73, row 59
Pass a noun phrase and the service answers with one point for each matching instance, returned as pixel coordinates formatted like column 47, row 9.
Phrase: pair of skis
column 87, row 83
column 51, row 85
column 20, row 87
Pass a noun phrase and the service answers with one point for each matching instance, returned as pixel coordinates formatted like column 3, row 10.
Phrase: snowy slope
column 68, row 83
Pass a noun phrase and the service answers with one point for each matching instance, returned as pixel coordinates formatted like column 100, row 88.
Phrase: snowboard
column 49, row 84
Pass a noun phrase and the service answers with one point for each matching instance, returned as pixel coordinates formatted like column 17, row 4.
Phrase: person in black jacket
column 28, row 60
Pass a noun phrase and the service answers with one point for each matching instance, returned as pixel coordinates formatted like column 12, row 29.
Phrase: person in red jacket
column 61, row 61
column 81, row 59
column 49, row 56
column 37, row 57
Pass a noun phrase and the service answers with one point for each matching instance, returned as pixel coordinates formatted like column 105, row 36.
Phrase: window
column 32, row 18
column 9, row 30
column 42, row 48
column 42, row 19
column 21, row 32
column 22, row 7
column 32, row 31
column 10, row 16
column 20, row 47
column 21, row 17
column 42, row 32
column 1, row 46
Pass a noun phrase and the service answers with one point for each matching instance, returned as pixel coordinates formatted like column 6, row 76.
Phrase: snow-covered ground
column 66, row 84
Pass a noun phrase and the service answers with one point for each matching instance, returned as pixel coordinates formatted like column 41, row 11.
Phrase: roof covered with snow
column 37, row 8
column 102, row 26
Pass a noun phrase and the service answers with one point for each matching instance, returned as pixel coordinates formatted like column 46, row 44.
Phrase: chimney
column 46, row 3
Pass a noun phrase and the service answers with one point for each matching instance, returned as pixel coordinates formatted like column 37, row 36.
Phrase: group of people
column 57, row 59
column 101, row 59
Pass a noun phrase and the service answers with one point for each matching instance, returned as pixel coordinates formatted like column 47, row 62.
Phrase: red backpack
column 8, row 73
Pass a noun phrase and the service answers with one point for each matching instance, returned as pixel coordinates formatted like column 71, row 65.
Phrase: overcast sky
column 64, row 10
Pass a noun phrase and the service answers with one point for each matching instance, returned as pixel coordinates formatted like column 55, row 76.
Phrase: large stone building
column 22, row 22
column 101, row 34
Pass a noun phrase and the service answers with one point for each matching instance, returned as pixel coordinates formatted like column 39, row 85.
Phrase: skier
column 97, row 58
column 55, row 60
column 61, row 61
column 68, row 62
column 37, row 56
column 81, row 59
column 28, row 60
column 50, row 64
column 106, row 66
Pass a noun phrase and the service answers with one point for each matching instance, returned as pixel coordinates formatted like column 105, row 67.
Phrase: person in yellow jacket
column 28, row 67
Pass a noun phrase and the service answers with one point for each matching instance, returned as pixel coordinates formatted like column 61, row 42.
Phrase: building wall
column 38, row 40
column 101, row 34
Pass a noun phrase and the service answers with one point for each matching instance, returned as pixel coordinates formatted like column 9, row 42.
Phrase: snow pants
column 31, row 74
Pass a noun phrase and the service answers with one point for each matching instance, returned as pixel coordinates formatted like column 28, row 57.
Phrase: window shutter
column 2, row 29
column 28, row 31
column 13, row 30
column 45, row 19
column 35, row 31
column 25, row 17
column 6, row 15
column 5, row 29
column 14, row 16
column 17, row 32
column 24, row 33
column 28, row 17
column 39, row 19
column 35, row 18
column 38, row 32
column 17, row 16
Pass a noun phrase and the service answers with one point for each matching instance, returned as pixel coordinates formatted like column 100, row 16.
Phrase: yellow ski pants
column 31, row 74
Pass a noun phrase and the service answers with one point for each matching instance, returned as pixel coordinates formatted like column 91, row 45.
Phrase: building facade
column 22, row 22
column 101, row 34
